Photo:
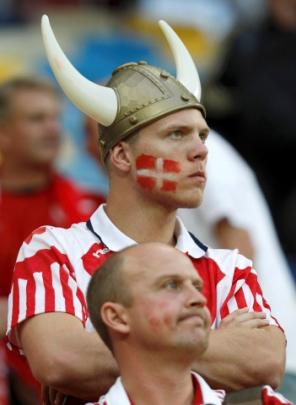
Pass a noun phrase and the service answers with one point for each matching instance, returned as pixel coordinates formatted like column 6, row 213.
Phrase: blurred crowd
column 247, row 58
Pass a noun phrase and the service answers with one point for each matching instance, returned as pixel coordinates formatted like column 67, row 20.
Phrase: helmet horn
column 99, row 102
column 187, row 73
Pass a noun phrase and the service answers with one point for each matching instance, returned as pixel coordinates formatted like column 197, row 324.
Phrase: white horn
column 97, row 101
column 187, row 72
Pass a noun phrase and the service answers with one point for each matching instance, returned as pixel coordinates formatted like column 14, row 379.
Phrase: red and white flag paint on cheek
column 157, row 173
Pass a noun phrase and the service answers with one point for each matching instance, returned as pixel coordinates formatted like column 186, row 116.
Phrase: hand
column 50, row 396
column 244, row 318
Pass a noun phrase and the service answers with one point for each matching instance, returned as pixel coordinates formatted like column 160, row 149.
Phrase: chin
column 192, row 201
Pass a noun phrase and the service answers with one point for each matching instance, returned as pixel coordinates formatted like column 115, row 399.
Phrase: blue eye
column 203, row 137
column 171, row 284
column 176, row 134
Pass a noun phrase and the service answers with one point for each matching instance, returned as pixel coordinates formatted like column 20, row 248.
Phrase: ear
column 121, row 156
column 115, row 317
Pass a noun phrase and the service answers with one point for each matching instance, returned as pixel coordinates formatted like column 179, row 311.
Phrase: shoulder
column 228, row 256
column 46, row 237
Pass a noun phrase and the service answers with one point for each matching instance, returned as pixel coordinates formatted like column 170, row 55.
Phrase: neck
column 157, row 382
column 14, row 177
column 140, row 219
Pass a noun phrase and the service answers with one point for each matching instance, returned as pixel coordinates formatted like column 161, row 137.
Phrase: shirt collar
column 209, row 396
column 117, row 394
column 115, row 240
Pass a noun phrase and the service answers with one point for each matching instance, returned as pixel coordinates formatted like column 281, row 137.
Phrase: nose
column 54, row 126
column 198, row 149
column 195, row 297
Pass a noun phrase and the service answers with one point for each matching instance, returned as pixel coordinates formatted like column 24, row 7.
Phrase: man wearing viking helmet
column 153, row 144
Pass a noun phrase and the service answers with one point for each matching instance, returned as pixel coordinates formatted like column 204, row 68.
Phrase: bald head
column 116, row 280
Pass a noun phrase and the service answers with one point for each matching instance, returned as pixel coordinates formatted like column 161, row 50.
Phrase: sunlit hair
column 108, row 284
column 22, row 83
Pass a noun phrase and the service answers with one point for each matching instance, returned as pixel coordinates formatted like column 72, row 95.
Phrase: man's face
column 32, row 128
column 170, row 157
column 168, row 309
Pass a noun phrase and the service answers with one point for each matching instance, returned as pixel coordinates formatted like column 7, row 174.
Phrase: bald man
column 147, row 305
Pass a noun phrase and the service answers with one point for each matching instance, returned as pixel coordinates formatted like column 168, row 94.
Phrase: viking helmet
column 137, row 93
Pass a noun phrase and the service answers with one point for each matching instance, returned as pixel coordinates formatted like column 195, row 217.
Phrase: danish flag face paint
column 157, row 173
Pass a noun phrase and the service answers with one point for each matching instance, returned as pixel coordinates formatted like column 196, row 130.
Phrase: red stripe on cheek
column 146, row 182
column 171, row 166
column 168, row 185
column 145, row 162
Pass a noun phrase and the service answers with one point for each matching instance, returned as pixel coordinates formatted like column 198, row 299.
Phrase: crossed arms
column 243, row 352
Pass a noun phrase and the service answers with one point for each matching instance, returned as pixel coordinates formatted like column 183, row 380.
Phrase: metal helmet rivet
column 184, row 97
column 133, row 120
column 164, row 74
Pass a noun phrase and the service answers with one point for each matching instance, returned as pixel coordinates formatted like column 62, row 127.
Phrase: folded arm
column 63, row 355
column 244, row 354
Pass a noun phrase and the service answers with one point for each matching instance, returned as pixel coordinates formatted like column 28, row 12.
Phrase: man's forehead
column 157, row 265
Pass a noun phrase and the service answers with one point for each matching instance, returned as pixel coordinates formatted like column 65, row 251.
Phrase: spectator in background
column 259, row 76
column 32, row 193
column 234, row 214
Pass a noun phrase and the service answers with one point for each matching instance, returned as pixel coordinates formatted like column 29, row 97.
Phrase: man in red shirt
column 32, row 193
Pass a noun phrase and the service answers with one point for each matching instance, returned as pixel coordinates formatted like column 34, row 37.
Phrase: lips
column 198, row 176
column 198, row 173
column 193, row 316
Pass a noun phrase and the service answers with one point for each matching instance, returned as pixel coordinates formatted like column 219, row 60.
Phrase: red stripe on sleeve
column 49, row 291
column 240, row 299
column 67, row 291
column 82, row 301
column 239, row 274
column 30, row 292
column 16, row 303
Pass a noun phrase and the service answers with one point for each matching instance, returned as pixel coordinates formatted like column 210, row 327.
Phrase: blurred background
column 245, row 51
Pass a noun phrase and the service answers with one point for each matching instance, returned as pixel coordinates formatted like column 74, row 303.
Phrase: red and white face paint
column 157, row 173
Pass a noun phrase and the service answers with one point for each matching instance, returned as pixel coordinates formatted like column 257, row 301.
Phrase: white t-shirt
column 232, row 192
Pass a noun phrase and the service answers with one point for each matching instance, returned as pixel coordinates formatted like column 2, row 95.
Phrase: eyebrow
column 196, row 281
column 173, row 127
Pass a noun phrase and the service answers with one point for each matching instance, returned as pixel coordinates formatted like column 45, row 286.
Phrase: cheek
column 156, row 173
column 158, row 319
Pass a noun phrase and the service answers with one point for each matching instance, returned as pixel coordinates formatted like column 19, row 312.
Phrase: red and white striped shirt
column 54, row 267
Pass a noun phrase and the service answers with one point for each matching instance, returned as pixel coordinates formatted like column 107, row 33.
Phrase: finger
column 238, row 318
column 249, row 316
column 234, row 314
column 241, row 310
column 255, row 323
